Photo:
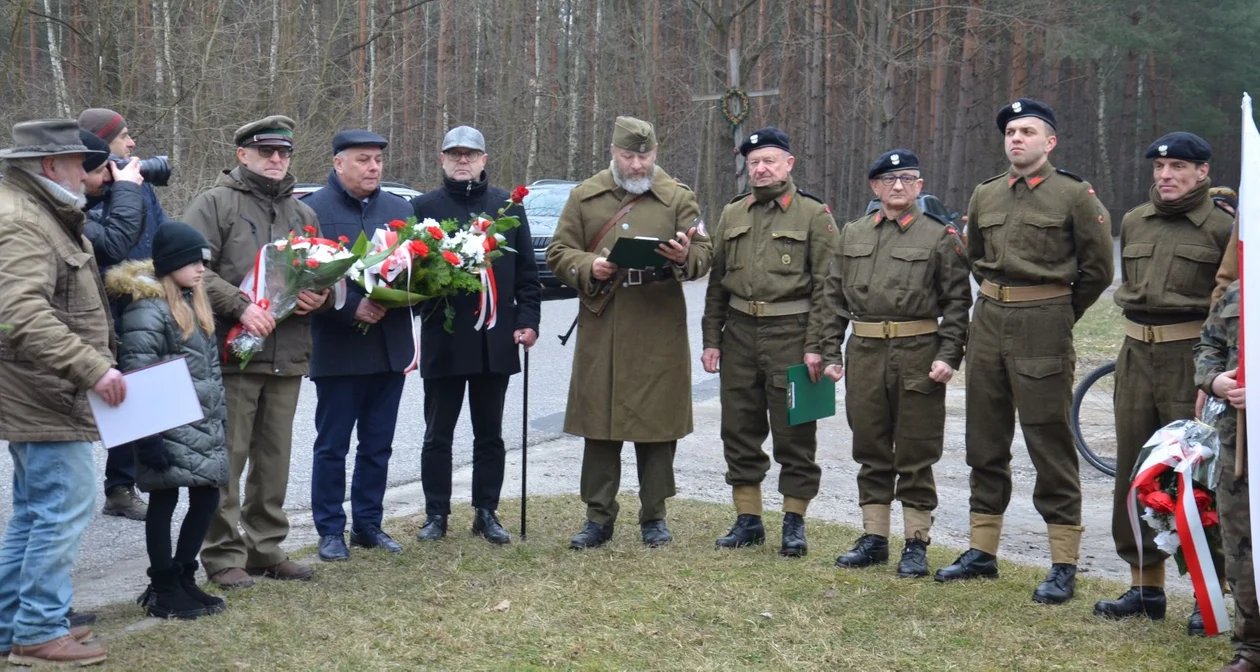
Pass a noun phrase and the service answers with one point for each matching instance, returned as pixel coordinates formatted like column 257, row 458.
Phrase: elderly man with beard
column 1039, row 242
column 631, row 372
column 763, row 312
column 1171, row 247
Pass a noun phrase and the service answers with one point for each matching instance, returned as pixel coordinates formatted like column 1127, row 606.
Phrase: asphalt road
column 110, row 540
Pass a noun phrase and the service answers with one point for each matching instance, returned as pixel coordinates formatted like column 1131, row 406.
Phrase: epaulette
column 999, row 175
column 1070, row 174
column 680, row 183
column 935, row 218
column 806, row 194
column 740, row 197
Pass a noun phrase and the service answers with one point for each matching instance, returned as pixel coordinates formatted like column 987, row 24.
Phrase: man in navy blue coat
column 358, row 376
column 479, row 360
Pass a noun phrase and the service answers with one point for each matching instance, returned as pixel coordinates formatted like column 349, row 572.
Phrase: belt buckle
column 890, row 329
column 754, row 308
column 1004, row 293
column 634, row 277
column 1149, row 333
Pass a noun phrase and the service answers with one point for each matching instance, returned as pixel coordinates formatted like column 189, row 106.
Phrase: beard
column 633, row 185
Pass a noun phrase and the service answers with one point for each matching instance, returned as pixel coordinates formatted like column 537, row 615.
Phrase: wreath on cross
column 735, row 94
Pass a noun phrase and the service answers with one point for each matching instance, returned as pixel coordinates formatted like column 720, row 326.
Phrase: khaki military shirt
column 910, row 268
column 1169, row 263
column 1047, row 228
column 775, row 251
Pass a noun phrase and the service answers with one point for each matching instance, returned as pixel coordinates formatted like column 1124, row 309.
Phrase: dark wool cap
column 357, row 137
column 105, row 123
column 1026, row 107
column 175, row 245
column 1180, row 145
column 888, row 162
column 765, row 137
column 98, row 150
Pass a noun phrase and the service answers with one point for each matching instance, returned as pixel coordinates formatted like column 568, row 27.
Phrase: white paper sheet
column 159, row 397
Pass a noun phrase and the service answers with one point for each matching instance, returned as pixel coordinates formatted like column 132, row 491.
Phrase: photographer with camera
column 115, row 203
column 121, row 498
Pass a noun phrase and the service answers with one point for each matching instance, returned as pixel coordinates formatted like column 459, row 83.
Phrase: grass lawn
column 464, row 605
column 1098, row 335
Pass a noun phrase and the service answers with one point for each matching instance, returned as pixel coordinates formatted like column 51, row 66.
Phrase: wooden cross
column 735, row 107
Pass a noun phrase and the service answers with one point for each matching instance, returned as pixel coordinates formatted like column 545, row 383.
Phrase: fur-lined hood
column 134, row 280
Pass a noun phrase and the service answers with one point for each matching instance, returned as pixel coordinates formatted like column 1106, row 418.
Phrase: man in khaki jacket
column 631, row 372
column 56, row 343
column 250, row 206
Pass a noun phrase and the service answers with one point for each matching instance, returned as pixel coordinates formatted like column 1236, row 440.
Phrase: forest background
column 543, row 79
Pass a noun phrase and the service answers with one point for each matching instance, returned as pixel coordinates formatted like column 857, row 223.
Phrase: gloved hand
column 150, row 453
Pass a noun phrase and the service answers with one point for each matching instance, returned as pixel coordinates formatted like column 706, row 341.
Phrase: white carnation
column 1168, row 541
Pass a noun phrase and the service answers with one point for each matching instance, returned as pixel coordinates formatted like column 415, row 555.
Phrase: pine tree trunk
column 966, row 96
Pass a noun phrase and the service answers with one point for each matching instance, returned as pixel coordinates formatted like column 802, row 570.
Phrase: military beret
column 765, row 137
column 897, row 159
column 633, row 134
column 1180, row 145
column 274, row 130
column 357, row 137
column 1025, row 107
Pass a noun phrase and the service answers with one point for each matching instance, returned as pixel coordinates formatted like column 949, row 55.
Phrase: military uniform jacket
column 1047, row 228
column 1217, row 352
column 631, row 376
column 911, row 268
column 775, row 251
column 1169, row 263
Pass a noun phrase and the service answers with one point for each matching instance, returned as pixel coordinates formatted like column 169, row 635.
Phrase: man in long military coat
column 631, row 372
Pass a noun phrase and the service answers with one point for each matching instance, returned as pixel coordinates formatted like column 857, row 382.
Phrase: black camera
column 155, row 170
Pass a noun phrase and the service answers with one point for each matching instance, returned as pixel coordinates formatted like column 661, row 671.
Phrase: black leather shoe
column 1145, row 601
column 81, row 618
column 973, row 564
column 374, row 537
column 655, row 534
column 434, row 528
column 332, row 547
column 593, row 535
column 913, row 563
column 794, row 545
column 870, row 549
column 1194, row 626
column 747, row 531
column 1059, row 586
column 486, row 524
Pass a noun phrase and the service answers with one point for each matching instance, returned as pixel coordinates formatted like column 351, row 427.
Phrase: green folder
column 806, row 401
column 637, row 253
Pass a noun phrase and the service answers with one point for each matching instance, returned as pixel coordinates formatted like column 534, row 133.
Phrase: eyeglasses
column 267, row 151
column 906, row 180
column 464, row 157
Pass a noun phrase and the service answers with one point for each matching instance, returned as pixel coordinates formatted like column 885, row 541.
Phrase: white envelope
column 159, row 397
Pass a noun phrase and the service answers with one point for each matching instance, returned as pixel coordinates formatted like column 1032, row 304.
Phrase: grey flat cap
column 464, row 136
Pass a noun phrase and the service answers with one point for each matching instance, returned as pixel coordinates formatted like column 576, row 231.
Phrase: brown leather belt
column 1020, row 294
column 1182, row 331
column 767, row 309
column 894, row 329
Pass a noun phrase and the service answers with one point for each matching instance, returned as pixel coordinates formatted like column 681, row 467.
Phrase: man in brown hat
column 56, row 345
column 631, row 371
column 250, row 206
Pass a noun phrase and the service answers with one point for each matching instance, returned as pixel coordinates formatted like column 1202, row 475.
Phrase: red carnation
column 491, row 243
column 1159, row 501
column 419, row 249
column 519, row 194
column 397, row 224
column 436, row 233
column 1202, row 500
column 343, row 240
column 451, row 258
column 1211, row 519
column 296, row 263
column 311, row 263
column 310, row 230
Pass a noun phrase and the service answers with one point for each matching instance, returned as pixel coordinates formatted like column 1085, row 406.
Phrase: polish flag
column 1248, row 218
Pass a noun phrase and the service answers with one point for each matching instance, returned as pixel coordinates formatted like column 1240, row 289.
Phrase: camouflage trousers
column 1235, row 513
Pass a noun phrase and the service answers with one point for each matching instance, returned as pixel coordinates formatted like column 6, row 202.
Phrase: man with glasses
column 764, row 312
column 1040, row 245
column 250, row 206
column 897, row 273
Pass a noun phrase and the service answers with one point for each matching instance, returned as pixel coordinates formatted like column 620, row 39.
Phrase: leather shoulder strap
column 620, row 213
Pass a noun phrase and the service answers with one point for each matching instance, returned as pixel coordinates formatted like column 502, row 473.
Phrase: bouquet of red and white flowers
column 1174, row 483
column 283, row 269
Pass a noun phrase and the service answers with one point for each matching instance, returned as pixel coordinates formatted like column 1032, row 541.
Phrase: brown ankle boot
column 64, row 650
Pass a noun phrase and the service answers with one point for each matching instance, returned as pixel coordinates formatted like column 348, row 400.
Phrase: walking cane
column 524, row 440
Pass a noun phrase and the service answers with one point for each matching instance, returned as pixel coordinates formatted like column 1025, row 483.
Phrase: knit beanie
column 93, row 159
column 175, row 245
column 106, row 124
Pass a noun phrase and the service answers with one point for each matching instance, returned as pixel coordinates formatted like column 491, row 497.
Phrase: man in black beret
column 902, row 282
column 1171, row 247
column 358, row 375
column 1039, row 242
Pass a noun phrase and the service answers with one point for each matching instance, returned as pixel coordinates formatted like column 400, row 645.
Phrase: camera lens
column 156, row 170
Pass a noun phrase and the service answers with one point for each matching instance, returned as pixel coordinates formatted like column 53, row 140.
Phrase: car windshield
column 543, row 207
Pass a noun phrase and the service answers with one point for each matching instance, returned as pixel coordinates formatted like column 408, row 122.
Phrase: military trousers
column 1234, row 505
column 601, row 479
column 1020, row 359
column 260, row 410
column 756, row 352
column 897, row 416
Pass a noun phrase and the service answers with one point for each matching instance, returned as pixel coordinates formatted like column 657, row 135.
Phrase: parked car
column 542, row 206
column 304, row 189
column 927, row 203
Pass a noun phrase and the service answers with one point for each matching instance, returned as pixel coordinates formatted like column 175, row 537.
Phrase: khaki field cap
column 276, row 130
column 45, row 137
column 633, row 134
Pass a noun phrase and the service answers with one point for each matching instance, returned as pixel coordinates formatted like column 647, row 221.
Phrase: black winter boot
column 870, row 549
column 168, row 599
column 794, row 545
column 1147, row 601
column 188, row 581
column 748, row 530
